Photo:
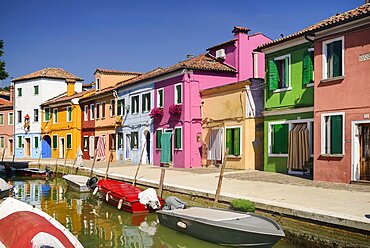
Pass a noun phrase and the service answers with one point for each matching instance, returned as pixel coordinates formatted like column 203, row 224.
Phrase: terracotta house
column 6, row 126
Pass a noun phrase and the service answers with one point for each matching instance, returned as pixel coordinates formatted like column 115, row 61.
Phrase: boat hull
column 214, row 232
column 77, row 183
column 32, row 172
column 4, row 193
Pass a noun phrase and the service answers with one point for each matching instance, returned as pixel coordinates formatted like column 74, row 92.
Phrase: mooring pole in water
column 138, row 166
column 217, row 196
column 38, row 162
column 161, row 181
column 92, row 166
column 109, row 159
column 2, row 157
column 56, row 165
column 13, row 159
column 65, row 162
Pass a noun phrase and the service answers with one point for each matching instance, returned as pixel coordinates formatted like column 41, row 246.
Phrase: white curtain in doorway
column 215, row 145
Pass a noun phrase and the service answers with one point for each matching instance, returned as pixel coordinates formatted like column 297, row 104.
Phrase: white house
column 29, row 92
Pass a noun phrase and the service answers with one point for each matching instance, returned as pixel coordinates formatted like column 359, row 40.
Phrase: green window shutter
column 161, row 98
column 273, row 75
column 148, row 102
column 55, row 142
column 158, row 139
column 337, row 58
column 36, row 140
column 236, row 141
column 229, row 140
column 336, row 127
column 70, row 114
column 69, row 141
column 178, row 138
column 132, row 105
column 47, row 114
column 179, row 93
column 287, row 71
column 119, row 103
column 311, row 65
column 306, row 68
column 143, row 103
column 280, row 139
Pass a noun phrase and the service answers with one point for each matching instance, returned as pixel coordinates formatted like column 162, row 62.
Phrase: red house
column 87, row 127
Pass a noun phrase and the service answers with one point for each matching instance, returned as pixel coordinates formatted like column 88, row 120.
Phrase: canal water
column 97, row 224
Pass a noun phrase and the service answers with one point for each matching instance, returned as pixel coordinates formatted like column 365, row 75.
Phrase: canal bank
column 325, row 214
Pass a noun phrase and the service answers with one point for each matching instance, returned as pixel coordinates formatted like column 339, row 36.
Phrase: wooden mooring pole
column 56, row 165
column 138, row 167
column 93, row 164
column 218, row 191
column 109, row 160
column 161, row 182
column 2, row 157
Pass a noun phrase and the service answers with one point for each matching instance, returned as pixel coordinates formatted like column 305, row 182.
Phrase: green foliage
column 3, row 73
column 243, row 205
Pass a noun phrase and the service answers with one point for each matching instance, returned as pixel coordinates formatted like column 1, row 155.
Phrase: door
column 28, row 147
column 61, row 147
column 365, row 152
column 11, row 147
column 91, row 146
column 46, row 146
column 128, row 146
column 148, row 147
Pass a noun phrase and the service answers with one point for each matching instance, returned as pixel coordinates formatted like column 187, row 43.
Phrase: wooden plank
column 161, row 181
column 218, row 191
column 138, row 167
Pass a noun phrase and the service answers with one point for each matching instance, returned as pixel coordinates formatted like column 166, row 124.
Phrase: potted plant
column 175, row 110
column 156, row 112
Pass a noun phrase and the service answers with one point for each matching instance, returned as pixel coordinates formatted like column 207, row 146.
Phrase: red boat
column 124, row 196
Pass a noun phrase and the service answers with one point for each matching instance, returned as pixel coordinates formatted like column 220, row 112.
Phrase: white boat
column 77, row 183
column 5, row 188
column 22, row 225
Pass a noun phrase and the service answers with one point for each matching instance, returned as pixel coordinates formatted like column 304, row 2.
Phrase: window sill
column 282, row 90
column 332, row 155
column 234, row 157
column 333, row 79
column 310, row 85
column 278, row 155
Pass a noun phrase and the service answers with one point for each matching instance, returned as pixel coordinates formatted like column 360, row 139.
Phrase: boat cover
column 172, row 202
column 149, row 197
column 210, row 214
column 4, row 185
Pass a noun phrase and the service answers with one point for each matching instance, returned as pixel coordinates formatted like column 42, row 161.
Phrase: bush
column 243, row 205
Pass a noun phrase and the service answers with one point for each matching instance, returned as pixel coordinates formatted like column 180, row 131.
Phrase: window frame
column 174, row 138
column 34, row 143
column 57, row 145
column 289, row 83
column 112, row 108
column 67, row 113
column 45, row 114
column 36, row 113
column 137, row 106
column 19, row 141
column 55, row 115
column 156, row 137
column 240, row 143
column 97, row 109
column 69, row 134
column 86, row 113
column 19, row 117
column 92, row 111
column 34, row 90
column 132, row 144
column 2, row 139
column 176, row 95
column 119, row 146
column 121, row 107
column 19, row 92
column 2, row 124
column 325, row 54
column 97, row 81
column 158, row 98
column 9, row 122
column 323, row 133
column 148, row 106
column 102, row 104
column 311, row 49
column 85, row 148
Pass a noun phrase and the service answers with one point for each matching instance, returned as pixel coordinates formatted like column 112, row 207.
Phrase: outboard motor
column 92, row 183
column 49, row 173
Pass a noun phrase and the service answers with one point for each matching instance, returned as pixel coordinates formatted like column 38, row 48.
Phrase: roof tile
column 59, row 73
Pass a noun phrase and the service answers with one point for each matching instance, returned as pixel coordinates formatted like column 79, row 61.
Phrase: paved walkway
column 343, row 204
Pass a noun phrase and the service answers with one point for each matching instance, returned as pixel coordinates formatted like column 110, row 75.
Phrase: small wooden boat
column 223, row 227
column 5, row 188
column 124, row 196
column 33, row 172
column 77, row 183
column 22, row 225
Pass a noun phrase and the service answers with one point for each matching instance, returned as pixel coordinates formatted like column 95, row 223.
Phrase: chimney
column 189, row 56
column 243, row 56
column 70, row 86
column 11, row 96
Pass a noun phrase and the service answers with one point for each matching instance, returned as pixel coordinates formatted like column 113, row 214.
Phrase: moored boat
column 22, row 225
column 77, row 182
column 33, row 172
column 126, row 196
column 223, row 227
column 5, row 188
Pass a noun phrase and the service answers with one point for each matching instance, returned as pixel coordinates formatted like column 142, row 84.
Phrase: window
column 36, row 142
column 145, row 101
column 19, row 90
column 112, row 108
column 120, row 141
column 160, row 102
column 1, row 119
column 178, row 137
column 112, row 141
column 279, row 72
column 279, row 138
column 19, row 116
column 86, row 143
column 69, row 141
column 233, row 140
column 2, row 142
column 103, row 110
column 134, row 140
column 36, row 115
column 69, row 114
column 178, row 93
column 308, row 67
column 86, row 113
column 10, row 119
column 158, row 136
column 97, row 110
column 134, row 104
column 55, row 115
column 92, row 111
column 36, row 90
column 47, row 114
column 55, row 141
column 332, row 140
column 20, row 142
column 333, row 59
column 98, row 83
column 121, row 107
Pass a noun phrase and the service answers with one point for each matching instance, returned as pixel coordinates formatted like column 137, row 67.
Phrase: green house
column 288, row 105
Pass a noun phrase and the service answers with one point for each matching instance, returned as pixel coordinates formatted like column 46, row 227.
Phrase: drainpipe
column 115, row 95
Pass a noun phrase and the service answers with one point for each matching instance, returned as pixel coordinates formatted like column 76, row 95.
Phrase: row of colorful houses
column 296, row 105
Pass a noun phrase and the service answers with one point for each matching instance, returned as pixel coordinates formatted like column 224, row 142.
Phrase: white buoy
column 107, row 196
column 120, row 204
column 95, row 191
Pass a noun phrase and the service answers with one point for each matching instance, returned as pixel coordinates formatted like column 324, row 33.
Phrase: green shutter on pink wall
column 273, row 75
column 336, row 136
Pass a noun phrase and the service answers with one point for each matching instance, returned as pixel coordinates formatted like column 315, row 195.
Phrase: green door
column 166, row 146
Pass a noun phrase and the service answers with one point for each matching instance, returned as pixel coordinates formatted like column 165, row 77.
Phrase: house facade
column 7, row 126
column 30, row 92
column 87, row 106
column 288, row 105
column 342, row 99
column 232, row 118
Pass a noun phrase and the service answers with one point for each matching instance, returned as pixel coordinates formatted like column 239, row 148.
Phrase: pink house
column 342, row 98
column 6, row 126
column 177, row 117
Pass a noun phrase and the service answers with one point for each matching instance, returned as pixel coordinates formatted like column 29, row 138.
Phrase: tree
column 3, row 73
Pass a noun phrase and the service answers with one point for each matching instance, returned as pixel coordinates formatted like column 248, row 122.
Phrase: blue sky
column 81, row 36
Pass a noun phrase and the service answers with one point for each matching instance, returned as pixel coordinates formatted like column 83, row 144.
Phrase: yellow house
column 232, row 118
column 61, row 124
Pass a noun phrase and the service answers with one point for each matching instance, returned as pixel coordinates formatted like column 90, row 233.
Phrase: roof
column 203, row 62
column 354, row 14
column 222, row 44
column 115, row 72
column 4, row 102
column 59, row 73
column 227, row 86
column 64, row 98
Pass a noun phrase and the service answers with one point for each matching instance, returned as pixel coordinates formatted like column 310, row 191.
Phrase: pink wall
column 7, row 131
column 349, row 95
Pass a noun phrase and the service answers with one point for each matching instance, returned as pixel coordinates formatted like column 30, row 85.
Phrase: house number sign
column 365, row 56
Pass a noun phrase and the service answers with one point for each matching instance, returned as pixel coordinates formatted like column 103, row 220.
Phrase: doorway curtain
column 298, row 147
